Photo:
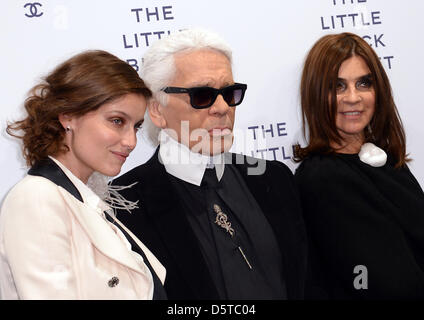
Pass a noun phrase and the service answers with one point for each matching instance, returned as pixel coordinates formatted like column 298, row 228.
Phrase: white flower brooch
column 372, row 155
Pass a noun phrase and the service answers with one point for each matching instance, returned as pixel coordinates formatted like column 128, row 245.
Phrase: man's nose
column 220, row 106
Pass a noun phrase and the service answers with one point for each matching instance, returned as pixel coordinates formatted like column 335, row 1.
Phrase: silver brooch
column 221, row 220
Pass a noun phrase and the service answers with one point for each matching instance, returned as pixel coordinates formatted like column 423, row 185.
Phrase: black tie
column 158, row 289
column 242, row 273
column 217, row 206
column 210, row 180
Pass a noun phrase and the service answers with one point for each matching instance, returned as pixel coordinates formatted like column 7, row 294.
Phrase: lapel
column 154, row 262
column 102, row 236
column 98, row 230
column 173, row 227
column 48, row 169
column 268, row 191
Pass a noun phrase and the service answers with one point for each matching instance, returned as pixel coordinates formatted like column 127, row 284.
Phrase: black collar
column 48, row 169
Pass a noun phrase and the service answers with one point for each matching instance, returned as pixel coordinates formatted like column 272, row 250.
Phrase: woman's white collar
column 372, row 155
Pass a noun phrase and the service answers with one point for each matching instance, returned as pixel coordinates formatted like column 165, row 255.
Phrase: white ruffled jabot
column 372, row 155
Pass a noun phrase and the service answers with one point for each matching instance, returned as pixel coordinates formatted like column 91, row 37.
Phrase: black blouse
column 359, row 215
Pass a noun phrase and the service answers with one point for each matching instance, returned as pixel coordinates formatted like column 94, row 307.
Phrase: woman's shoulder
column 328, row 172
column 33, row 185
column 36, row 202
column 317, row 166
column 31, row 191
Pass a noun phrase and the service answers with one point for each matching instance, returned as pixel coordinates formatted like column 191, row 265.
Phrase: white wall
column 269, row 39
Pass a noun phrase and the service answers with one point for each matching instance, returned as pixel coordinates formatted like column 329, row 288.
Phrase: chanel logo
column 33, row 9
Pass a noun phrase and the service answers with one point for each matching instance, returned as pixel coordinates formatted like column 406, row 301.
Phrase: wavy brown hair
column 318, row 83
column 79, row 85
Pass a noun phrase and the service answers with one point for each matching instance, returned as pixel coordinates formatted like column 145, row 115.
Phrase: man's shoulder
column 260, row 167
column 138, row 173
column 129, row 177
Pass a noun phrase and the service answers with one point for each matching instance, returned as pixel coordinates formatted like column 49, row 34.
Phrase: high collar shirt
column 182, row 163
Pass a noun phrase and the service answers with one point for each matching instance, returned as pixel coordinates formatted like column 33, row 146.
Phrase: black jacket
column 162, row 226
column 358, row 217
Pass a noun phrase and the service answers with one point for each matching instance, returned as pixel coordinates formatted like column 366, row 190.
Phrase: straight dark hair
column 318, row 83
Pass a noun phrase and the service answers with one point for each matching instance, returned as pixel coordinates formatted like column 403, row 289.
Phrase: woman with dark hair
column 363, row 208
column 59, row 238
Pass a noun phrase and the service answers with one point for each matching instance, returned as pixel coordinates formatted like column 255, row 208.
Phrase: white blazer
column 53, row 246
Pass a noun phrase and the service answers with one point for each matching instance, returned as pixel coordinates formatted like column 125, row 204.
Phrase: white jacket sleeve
column 35, row 236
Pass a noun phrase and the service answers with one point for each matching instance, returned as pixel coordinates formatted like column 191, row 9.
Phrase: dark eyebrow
column 120, row 112
column 365, row 76
column 126, row 116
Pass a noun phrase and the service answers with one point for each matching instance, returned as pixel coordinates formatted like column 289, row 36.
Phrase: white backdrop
column 269, row 39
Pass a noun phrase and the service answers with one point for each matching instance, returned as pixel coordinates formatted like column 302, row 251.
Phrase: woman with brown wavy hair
column 59, row 238
column 363, row 208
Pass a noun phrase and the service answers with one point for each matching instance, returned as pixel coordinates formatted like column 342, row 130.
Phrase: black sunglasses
column 204, row 97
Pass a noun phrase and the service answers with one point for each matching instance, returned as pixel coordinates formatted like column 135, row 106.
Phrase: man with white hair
column 220, row 230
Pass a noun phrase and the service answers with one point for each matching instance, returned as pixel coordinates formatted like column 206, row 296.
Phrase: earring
column 68, row 129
